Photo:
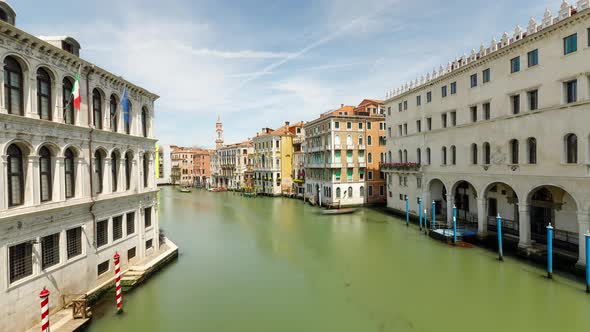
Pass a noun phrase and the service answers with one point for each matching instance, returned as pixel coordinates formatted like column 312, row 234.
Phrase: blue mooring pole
column 433, row 215
column 407, row 211
column 587, row 237
column 500, row 251
column 420, row 209
column 425, row 221
column 454, row 224
column 549, row 251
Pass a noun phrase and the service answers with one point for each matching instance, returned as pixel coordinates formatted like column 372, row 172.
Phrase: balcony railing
column 400, row 166
column 508, row 226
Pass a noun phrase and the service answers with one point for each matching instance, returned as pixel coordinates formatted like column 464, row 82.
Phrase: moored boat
column 338, row 211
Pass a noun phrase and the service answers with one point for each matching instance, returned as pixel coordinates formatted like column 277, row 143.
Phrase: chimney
column 341, row 105
column 287, row 123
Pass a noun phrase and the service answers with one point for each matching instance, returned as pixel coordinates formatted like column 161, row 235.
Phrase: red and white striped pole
column 44, row 295
column 118, row 283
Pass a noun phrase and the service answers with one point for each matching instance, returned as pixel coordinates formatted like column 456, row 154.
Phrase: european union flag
column 125, row 106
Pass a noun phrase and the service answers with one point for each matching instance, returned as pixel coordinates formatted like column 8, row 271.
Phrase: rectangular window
column 148, row 217
column 131, row 253
column 515, row 65
column 418, row 100
column 533, row 57
column 130, row 223
column 570, row 44
column 337, row 125
column 360, row 126
column 571, row 91
column 349, row 156
column 349, row 125
column 389, row 110
column 533, row 100
column 443, row 91
column 370, row 190
column 74, row 242
column 473, row 113
column 428, row 96
column 487, row 111
column 337, row 174
column 381, row 191
column 399, row 130
column 473, row 80
column 102, row 268
column 21, row 261
column 369, row 125
column 102, row 233
column 418, row 126
column 515, row 101
column 405, row 105
column 453, row 88
column 370, row 175
column 418, row 182
column 429, row 124
column 444, row 120
column 117, row 228
column 49, row 251
column 405, row 128
column 453, row 119
column 337, row 157
column 486, row 75
column 399, row 107
column 349, row 174
column 149, row 244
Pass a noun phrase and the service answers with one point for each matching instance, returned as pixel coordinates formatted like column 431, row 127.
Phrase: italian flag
column 76, row 92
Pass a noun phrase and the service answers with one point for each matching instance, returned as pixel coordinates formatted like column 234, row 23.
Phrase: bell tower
column 218, row 133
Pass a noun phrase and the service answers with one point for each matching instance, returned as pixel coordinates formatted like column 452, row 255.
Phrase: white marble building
column 75, row 186
column 503, row 130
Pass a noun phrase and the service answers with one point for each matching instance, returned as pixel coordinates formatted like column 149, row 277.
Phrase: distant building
column 190, row 166
column 232, row 163
column 342, row 153
column 164, row 173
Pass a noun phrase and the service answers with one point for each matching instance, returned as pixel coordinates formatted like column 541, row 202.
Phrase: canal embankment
column 136, row 274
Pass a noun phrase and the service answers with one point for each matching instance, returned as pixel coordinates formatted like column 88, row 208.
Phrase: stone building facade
column 502, row 131
column 232, row 163
column 342, row 152
column 75, row 186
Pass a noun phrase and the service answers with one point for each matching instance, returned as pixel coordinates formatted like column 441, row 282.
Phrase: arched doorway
column 551, row 204
column 465, row 199
column 501, row 199
column 438, row 194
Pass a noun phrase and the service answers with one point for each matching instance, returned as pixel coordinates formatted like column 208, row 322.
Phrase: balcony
column 362, row 147
column 362, row 164
column 408, row 167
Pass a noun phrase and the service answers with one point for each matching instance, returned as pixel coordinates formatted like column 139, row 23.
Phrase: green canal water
column 273, row 264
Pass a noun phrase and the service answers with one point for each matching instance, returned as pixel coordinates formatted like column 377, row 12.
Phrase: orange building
column 190, row 166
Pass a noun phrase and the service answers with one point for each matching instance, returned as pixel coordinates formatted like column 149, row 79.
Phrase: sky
column 260, row 63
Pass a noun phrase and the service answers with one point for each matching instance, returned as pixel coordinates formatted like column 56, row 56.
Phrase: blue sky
column 259, row 63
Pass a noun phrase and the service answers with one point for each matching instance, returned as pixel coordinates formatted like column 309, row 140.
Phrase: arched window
column 514, row 151
column 45, row 177
column 571, row 148
column 419, row 156
column 113, row 112
column 337, row 140
column 487, row 153
column 96, row 109
column 146, row 170
column 70, row 171
column 474, row 154
column 444, row 155
column 349, row 192
column 370, row 157
column 400, row 156
column 115, row 170
column 381, row 157
column 337, row 192
column 68, row 101
column 127, row 118
column 405, row 156
column 532, row 150
column 453, row 155
column 16, row 176
column 13, row 87
column 43, row 94
column 362, row 191
column 369, row 140
column 348, row 140
column 128, row 166
column 144, row 123
column 389, row 156
column 98, row 174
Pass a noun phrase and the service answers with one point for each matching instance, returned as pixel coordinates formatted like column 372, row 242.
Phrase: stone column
column 30, row 100
column 3, row 168
column 2, row 97
column 524, row 226
column 583, row 88
column 583, row 228
column 450, row 202
column 121, row 174
column 482, row 217
column 141, row 230
column 81, row 178
column 32, row 194
column 58, row 113
column 59, row 188
column 108, row 183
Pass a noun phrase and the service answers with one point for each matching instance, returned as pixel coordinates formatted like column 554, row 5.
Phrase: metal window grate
column 49, row 251
column 130, row 223
column 74, row 242
column 148, row 217
column 21, row 261
column 117, row 227
column 131, row 253
column 148, row 244
column 102, row 236
column 103, row 267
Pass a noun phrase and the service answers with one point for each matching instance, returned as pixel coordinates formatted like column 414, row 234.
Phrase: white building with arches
column 75, row 186
column 503, row 130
